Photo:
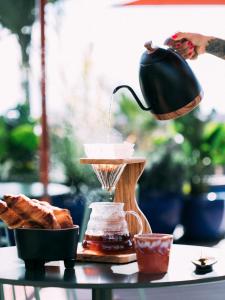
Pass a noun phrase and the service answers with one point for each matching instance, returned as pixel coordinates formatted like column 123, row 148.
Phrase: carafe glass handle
column 131, row 212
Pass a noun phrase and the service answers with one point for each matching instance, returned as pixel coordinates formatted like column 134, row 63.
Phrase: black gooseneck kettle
column 168, row 85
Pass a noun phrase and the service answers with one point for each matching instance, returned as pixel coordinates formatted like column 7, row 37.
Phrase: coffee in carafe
column 107, row 229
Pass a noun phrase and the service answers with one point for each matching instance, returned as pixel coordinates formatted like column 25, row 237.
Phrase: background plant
column 203, row 147
column 155, row 140
column 19, row 143
column 181, row 154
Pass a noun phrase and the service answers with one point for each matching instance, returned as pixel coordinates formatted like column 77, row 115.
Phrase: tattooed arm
column 190, row 45
column 216, row 47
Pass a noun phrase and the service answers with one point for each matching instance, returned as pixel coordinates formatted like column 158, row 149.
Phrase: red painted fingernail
column 177, row 45
column 191, row 46
column 190, row 43
column 189, row 53
column 174, row 36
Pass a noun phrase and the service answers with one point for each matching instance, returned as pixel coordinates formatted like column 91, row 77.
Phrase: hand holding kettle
column 190, row 45
column 168, row 85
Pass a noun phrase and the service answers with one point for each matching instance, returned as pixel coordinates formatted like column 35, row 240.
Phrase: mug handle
column 131, row 212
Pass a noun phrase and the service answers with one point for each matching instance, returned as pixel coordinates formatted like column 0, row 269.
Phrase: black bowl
column 38, row 246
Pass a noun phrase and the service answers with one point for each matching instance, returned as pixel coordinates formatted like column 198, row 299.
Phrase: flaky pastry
column 20, row 211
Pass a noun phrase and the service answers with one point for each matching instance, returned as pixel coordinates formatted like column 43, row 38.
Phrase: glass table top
column 105, row 275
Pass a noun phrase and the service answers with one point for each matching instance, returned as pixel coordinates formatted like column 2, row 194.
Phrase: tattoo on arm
column 216, row 47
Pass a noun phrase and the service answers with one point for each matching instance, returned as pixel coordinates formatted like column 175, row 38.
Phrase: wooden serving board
column 88, row 255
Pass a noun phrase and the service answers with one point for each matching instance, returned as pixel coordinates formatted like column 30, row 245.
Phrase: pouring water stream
column 109, row 123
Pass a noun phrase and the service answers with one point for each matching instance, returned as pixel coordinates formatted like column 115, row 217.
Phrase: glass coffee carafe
column 107, row 229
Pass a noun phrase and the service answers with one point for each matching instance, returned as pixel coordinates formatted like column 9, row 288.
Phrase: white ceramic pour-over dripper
column 108, row 174
column 111, row 151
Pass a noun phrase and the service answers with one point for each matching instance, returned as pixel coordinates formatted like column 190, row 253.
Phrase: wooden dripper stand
column 125, row 185
column 120, row 175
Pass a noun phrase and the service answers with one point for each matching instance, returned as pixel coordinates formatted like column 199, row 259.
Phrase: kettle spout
column 133, row 94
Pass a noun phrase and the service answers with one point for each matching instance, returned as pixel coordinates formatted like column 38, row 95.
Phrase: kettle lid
column 152, row 55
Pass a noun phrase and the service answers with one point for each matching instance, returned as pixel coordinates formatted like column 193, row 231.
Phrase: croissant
column 35, row 212
column 62, row 215
column 8, row 216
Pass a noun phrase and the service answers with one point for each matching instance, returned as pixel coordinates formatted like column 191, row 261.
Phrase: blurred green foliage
column 154, row 140
column 203, row 147
column 135, row 124
column 180, row 153
column 19, row 145
column 167, row 173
